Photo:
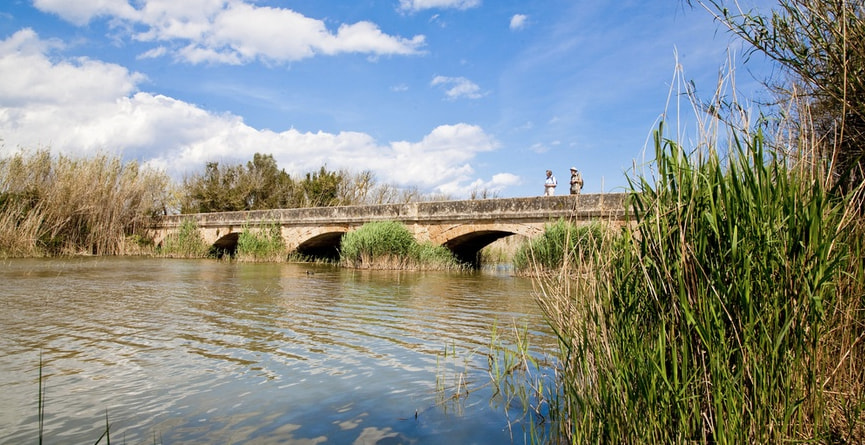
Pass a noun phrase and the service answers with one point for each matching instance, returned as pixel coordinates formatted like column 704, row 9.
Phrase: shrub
column 186, row 243
column 390, row 245
column 560, row 241
column 263, row 244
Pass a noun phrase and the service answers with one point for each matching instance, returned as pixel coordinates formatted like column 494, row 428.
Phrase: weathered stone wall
column 438, row 221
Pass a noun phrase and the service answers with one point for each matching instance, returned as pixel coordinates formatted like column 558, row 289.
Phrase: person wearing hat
column 576, row 181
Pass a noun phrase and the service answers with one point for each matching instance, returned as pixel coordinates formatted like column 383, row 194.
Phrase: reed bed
column 60, row 205
column 729, row 310
column 261, row 244
column 549, row 251
column 186, row 243
column 390, row 245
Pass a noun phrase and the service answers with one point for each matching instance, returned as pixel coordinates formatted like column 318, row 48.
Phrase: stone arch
column 325, row 245
column 226, row 244
column 467, row 240
column 321, row 244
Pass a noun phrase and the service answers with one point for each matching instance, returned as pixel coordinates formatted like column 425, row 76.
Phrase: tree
column 321, row 189
column 821, row 46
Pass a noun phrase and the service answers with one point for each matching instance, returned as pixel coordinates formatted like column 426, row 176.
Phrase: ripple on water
column 217, row 352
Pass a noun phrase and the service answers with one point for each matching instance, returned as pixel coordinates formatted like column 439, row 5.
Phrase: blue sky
column 448, row 96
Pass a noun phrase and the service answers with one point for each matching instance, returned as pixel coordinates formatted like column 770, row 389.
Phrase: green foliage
column 376, row 239
column 561, row 240
column 258, row 185
column 263, row 244
column 321, row 189
column 712, row 319
column 390, row 245
column 186, row 243
column 821, row 45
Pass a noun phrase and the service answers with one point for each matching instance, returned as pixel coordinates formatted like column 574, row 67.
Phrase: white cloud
column 81, row 12
column 539, row 148
column 233, row 31
column 518, row 21
column 418, row 5
column 84, row 106
column 458, row 87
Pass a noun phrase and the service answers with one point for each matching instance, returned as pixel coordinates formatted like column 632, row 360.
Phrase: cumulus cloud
column 518, row 21
column 458, row 87
column 83, row 106
column 418, row 5
column 233, row 31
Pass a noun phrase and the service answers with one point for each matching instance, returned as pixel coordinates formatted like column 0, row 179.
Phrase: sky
column 445, row 96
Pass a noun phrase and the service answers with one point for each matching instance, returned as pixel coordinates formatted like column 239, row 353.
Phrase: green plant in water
column 187, row 242
column 561, row 240
column 263, row 244
column 390, row 245
column 707, row 320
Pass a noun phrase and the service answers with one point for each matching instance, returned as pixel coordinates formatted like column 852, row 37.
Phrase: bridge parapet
column 610, row 205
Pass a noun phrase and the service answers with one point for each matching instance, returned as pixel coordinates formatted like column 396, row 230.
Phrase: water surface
column 203, row 351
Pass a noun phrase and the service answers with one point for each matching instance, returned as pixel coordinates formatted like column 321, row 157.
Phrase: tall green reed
column 707, row 320
column 558, row 242
column 186, row 243
column 390, row 245
column 264, row 243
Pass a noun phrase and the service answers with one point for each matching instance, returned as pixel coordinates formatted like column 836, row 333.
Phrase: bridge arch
column 321, row 245
column 226, row 244
column 467, row 240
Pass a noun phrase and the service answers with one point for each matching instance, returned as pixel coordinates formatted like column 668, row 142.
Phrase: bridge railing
column 589, row 206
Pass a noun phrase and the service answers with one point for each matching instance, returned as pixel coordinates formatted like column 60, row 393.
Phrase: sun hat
column 573, row 168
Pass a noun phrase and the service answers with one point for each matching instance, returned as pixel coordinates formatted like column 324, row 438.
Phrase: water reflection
column 218, row 352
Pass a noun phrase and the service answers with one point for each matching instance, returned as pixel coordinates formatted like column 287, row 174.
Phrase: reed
column 261, row 244
column 390, row 245
column 725, row 313
column 186, row 243
column 59, row 205
column 560, row 241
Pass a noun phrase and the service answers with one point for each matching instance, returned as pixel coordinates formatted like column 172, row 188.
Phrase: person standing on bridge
column 550, row 184
column 576, row 181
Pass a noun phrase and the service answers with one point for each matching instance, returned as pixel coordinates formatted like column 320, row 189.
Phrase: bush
column 390, row 245
column 186, row 243
column 560, row 241
column 264, row 244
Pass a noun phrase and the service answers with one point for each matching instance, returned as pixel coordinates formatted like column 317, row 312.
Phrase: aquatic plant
column 187, row 242
column 724, row 313
column 561, row 240
column 60, row 205
column 264, row 243
column 390, row 245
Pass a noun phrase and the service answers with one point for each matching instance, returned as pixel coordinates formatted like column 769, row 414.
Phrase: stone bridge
column 464, row 227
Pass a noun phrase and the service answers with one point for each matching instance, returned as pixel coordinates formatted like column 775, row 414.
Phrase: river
column 216, row 352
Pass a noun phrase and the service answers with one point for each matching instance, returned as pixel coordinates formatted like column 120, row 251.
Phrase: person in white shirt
column 550, row 184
